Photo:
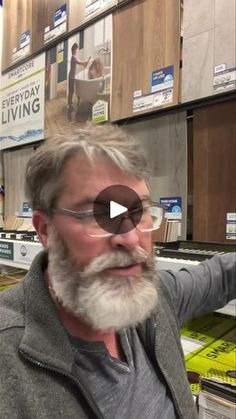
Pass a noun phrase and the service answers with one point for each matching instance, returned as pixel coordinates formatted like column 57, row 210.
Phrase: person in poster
column 72, row 73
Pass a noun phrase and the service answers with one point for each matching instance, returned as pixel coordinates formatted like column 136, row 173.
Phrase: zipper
column 75, row 381
column 155, row 361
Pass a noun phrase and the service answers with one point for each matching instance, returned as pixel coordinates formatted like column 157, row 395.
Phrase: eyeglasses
column 145, row 218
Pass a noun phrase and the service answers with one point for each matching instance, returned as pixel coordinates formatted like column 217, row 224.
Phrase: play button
column 117, row 209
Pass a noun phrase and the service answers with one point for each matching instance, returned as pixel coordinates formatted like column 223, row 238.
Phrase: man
column 92, row 331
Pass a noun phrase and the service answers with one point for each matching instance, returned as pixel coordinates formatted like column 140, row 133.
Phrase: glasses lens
column 93, row 229
column 151, row 219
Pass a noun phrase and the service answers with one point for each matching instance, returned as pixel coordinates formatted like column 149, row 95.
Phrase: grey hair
column 44, row 172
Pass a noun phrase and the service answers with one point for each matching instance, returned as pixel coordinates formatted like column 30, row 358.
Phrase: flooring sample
column 17, row 31
column 214, row 173
column 49, row 21
column 15, row 162
column 209, row 48
column 196, row 12
column 164, row 140
column 82, row 11
column 225, row 46
column 145, row 59
column 198, row 62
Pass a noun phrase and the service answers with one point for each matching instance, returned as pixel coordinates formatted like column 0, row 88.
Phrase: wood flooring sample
column 146, row 45
column 17, row 31
column 15, row 162
column 83, row 11
column 214, row 171
column 49, row 21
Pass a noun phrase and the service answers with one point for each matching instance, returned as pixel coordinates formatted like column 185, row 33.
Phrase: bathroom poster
column 22, row 104
column 78, row 77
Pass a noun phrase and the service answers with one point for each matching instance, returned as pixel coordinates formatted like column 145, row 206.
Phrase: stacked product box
column 210, row 349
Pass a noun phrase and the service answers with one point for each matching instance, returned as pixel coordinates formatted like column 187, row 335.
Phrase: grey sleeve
column 202, row 289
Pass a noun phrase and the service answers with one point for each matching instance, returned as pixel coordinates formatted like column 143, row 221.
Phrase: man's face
column 107, row 281
column 83, row 183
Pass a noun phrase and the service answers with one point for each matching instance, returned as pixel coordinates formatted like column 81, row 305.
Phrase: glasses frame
column 83, row 215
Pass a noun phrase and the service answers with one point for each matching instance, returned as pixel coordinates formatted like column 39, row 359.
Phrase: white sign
column 22, row 104
column 25, row 252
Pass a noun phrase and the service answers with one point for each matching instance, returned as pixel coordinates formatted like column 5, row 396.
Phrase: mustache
column 117, row 259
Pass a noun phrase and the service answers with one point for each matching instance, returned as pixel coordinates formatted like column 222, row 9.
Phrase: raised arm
column 204, row 288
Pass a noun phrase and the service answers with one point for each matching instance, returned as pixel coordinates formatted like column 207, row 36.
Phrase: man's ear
column 41, row 223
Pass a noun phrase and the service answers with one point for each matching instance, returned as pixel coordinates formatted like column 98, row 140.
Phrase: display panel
column 83, row 11
column 146, row 44
column 50, row 19
column 17, row 31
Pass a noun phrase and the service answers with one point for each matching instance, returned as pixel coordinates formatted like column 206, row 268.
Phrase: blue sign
column 163, row 78
column 174, row 207
column 60, row 15
column 25, row 38
column 26, row 209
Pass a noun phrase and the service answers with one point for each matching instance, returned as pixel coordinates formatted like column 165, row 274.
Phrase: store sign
column 6, row 250
column 22, row 104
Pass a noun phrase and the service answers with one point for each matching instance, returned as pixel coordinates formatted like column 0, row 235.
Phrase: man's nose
column 127, row 236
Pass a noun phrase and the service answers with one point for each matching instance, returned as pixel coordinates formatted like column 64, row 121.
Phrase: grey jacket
column 37, row 361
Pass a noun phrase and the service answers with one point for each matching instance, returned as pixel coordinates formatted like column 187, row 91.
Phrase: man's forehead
column 100, row 168
column 84, row 180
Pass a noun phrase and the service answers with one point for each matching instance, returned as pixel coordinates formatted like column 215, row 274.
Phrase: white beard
column 105, row 302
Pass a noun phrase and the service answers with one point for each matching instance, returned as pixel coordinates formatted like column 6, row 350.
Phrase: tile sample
column 17, row 31
column 198, row 17
column 144, row 55
column 214, row 177
column 164, row 139
column 82, row 11
column 225, row 46
column 209, row 48
column 15, row 162
column 198, row 62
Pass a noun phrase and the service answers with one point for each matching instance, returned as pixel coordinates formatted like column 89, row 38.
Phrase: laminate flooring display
column 164, row 139
column 146, row 50
column 17, row 31
column 15, row 162
column 209, row 48
column 83, row 11
column 214, row 171
column 50, row 19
